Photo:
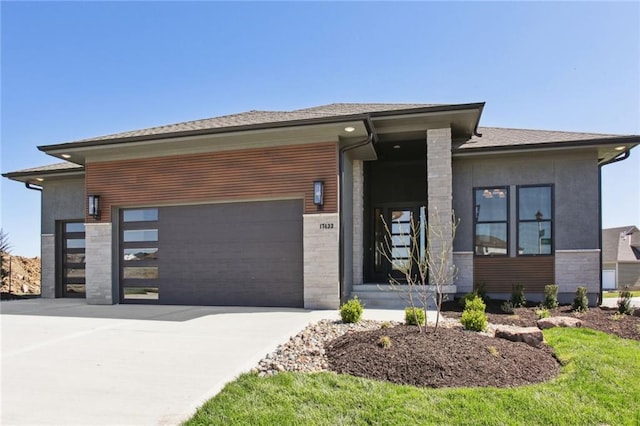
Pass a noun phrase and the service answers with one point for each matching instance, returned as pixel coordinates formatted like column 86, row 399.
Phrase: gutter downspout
column 342, row 151
column 30, row 186
column 623, row 156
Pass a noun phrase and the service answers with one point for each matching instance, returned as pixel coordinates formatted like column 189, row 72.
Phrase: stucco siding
column 61, row 200
column 628, row 275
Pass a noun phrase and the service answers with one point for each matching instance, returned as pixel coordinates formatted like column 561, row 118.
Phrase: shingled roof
column 621, row 244
column 498, row 137
column 255, row 117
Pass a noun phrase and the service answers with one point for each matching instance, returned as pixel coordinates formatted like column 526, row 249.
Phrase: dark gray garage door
column 239, row 254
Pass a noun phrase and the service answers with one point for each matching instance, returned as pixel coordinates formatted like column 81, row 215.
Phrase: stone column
column 321, row 261
column 358, row 221
column 439, row 189
column 98, row 255
column 48, row 266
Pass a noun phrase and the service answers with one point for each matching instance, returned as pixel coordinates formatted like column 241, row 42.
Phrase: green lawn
column 616, row 294
column 599, row 384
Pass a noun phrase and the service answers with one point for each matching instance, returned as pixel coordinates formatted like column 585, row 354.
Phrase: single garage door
column 238, row 254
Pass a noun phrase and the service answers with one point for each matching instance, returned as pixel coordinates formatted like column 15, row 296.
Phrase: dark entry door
column 399, row 234
column 72, row 273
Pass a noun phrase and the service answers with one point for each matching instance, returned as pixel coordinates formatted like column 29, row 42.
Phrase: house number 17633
column 326, row 226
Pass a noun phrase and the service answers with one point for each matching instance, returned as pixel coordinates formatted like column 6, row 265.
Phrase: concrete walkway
column 613, row 301
column 66, row 362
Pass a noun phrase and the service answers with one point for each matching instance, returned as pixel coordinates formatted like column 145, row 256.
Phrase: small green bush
column 518, row 298
column 624, row 303
column 580, row 302
column 384, row 342
column 385, row 324
column 473, row 317
column 351, row 311
column 475, row 304
column 414, row 316
column 542, row 313
column 474, row 320
column 507, row 307
column 550, row 296
column 481, row 291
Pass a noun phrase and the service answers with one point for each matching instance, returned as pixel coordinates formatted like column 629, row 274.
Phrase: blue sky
column 72, row 70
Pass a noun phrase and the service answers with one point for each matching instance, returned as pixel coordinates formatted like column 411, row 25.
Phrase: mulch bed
column 601, row 319
column 453, row 357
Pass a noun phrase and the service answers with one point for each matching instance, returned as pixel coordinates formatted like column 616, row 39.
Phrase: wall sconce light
column 94, row 206
column 318, row 193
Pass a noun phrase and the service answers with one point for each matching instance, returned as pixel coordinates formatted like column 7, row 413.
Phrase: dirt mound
column 20, row 275
column 449, row 358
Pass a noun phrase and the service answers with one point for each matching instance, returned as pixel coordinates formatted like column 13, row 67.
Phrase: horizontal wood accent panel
column 500, row 273
column 278, row 172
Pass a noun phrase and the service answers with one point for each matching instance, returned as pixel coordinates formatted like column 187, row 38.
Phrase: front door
column 72, row 253
column 399, row 236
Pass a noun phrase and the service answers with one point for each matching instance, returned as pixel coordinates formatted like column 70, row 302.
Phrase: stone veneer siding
column 358, row 221
column 99, row 282
column 463, row 260
column 439, row 188
column 321, row 261
column 576, row 268
column 48, row 266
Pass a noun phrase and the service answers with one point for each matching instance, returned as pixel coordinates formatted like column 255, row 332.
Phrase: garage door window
column 139, row 271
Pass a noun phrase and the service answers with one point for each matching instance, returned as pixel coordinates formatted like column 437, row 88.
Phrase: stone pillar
column 99, row 281
column 321, row 261
column 439, row 189
column 576, row 268
column 358, row 221
column 48, row 266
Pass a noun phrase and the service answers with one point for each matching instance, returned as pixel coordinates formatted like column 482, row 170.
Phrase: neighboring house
column 285, row 208
column 621, row 257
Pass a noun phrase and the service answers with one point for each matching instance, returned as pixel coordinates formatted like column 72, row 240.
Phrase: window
column 491, row 221
column 535, row 220
column 140, row 215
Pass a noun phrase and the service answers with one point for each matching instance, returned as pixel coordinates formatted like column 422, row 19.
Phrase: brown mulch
column 601, row 319
column 451, row 357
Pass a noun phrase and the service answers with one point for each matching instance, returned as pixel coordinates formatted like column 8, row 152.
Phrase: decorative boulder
column 551, row 322
column 532, row 336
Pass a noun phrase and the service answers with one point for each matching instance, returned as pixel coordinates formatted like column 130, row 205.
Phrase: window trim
column 551, row 220
column 507, row 220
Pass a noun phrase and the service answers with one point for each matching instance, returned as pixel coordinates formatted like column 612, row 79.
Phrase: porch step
column 384, row 296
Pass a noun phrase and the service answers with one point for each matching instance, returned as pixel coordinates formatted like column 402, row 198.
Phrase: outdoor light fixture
column 318, row 193
column 349, row 129
column 94, row 206
column 65, row 156
column 619, row 148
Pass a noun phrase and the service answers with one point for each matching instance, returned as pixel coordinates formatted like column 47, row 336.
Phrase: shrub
column 384, row 342
column 351, row 311
column 517, row 296
column 493, row 351
column 624, row 303
column 580, row 302
column 507, row 307
column 385, row 324
column 542, row 313
column 475, row 304
column 481, row 291
column 473, row 317
column 550, row 296
column 414, row 316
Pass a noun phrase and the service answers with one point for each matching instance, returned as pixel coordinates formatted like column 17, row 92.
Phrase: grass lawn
column 599, row 384
column 616, row 294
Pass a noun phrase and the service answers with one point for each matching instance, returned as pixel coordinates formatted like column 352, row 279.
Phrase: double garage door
column 238, row 254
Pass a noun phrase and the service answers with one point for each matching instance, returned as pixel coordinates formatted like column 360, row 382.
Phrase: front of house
column 287, row 209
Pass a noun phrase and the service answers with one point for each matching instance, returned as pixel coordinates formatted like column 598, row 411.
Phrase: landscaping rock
column 636, row 313
column 532, row 336
column 551, row 322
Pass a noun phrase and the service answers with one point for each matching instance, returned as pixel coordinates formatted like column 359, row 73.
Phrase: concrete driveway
column 65, row 362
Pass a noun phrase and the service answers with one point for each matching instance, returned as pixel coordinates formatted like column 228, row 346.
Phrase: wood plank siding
column 251, row 174
column 500, row 273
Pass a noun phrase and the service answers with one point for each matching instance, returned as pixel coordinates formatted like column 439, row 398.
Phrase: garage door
column 239, row 254
column 608, row 279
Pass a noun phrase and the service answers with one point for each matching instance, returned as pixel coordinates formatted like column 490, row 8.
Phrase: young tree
column 5, row 249
column 429, row 266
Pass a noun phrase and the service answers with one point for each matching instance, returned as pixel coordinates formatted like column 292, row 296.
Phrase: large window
column 535, row 220
column 491, row 221
column 139, row 271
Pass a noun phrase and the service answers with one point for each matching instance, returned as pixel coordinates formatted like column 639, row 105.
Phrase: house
column 286, row 208
column 621, row 257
